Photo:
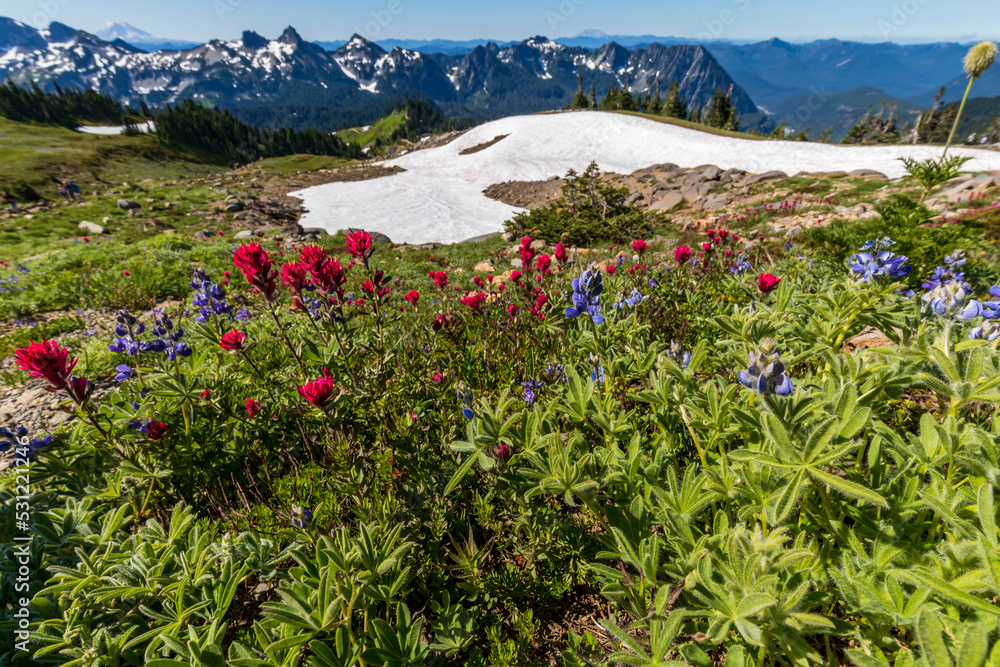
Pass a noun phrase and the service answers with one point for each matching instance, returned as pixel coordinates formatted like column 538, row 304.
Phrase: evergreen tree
column 655, row 104
column 580, row 100
column 674, row 106
column 593, row 94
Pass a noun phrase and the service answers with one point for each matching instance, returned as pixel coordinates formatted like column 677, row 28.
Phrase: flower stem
column 958, row 117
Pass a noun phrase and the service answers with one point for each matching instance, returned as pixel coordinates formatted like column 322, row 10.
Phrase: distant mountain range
column 492, row 80
column 822, row 84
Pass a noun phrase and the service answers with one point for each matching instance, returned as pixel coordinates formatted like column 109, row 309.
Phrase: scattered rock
column 235, row 207
column 91, row 227
column 245, row 234
column 538, row 244
column 868, row 172
column 485, row 266
column 128, row 204
column 507, row 237
column 668, row 201
column 766, row 176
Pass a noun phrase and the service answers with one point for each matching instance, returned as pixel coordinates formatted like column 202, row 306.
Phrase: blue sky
column 793, row 20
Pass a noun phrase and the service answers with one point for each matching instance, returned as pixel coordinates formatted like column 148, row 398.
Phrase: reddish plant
column 767, row 282
column 319, row 391
column 46, row 361
column 682, row 254
column 257, row 268
column 232, row 341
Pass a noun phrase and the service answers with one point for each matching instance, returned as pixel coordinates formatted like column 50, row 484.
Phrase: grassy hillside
column 691, row 126
column 381, row 129
column 37, row 154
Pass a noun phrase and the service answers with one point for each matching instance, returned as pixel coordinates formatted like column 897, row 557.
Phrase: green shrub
column 590, row 211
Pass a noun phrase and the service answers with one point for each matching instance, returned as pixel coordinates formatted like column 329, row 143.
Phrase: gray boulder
column 128, row 204
column 91, row 227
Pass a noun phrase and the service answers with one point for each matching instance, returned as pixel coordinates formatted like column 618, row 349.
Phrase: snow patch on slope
column 440, row 195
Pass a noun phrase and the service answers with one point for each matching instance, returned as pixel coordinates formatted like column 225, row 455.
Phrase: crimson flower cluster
column 320, row 391
column 48, row 361
column 257, row 268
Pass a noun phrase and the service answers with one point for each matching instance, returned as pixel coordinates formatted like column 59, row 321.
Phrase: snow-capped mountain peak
column 125, row 32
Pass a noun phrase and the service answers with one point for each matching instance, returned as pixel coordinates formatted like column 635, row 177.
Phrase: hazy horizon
column 902, row 21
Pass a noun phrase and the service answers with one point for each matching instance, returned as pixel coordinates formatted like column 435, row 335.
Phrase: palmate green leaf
column 975, row 648
column 947, row 590
column 763, row 458
column 775, row 430
column 460, row 474
column 861, row 659
column 851, row 489
column 789, row 496
column 930, row 640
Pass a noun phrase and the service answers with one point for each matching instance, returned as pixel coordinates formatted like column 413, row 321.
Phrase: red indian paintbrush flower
column 312, row 256
column 156, row 430
column 561, row 256
column 473, row 301
column 319, row 391
column 682, row 254
column 253, row 408
column 257, row 268
column 295, row 276
column 542, row 263
column 233, row 341
column 412, row 296
column 46, row 361
column 527, row 253
column 329, row 276
column 767, row 282
column 359, row 244
column 639, row 246
column 440, row 279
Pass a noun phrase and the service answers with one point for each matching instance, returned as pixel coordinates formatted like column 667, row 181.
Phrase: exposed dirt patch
column 526, row 194
column 483, row 146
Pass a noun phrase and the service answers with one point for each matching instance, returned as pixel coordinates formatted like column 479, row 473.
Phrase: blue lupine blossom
column 766, row 373
column 210, row 298
column 872, row 266
column 679, row 354
column 11, row 437
column 597, row 374
column 986, row 331
column 631, row 301
column 529, row 389
column 466, row 397
column 301, row 517
column 140, row 425
column 124, row 372
column 242, row 315
column 556, row 372
column 742, row 265
column 991, row 309
column 950, row 300
column 955, row 259
column 15, row 439
column 587, row 291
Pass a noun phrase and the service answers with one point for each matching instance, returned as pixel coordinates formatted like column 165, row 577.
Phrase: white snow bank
column 440, row 195
column 114, row 129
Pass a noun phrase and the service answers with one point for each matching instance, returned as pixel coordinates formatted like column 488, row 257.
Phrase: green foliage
column 219, row 133
column 875, row 128
column 590, row 211
column 932, row 173
column 63, row 107
column 633, row 504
